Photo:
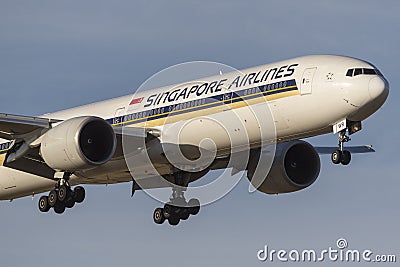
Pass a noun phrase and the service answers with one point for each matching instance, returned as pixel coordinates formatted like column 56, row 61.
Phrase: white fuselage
column 299, row 98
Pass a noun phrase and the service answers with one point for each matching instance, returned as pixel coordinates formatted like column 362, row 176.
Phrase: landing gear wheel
column 70, row 202
column 173, row 219
column 59, row 208
column 79, row 194
column 52, row 198
column 168, row 210
column 44, row 204
column 158, row 216
column 63, row 193
column 194, row 206
column 184, row 214
column 346, row 157
column 336, row 156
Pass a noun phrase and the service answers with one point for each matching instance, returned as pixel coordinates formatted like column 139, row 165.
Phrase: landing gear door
column 306, row 81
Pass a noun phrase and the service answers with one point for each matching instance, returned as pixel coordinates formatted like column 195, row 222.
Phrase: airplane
column 174, row 135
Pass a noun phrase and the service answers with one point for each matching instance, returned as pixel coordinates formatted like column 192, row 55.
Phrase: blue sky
column 60, row 54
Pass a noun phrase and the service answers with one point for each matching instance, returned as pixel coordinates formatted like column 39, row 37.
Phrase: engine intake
column 78, row 143
column 296, row 166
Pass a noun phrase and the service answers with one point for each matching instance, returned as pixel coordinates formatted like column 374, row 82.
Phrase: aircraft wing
column 14, row 126
column 352, row 149
column 24, row 131
column 19, row 129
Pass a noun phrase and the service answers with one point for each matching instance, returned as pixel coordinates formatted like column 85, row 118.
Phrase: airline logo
column 136, row 101
column 216, row 86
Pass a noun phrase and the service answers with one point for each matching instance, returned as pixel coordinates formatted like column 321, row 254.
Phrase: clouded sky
column 60, row 54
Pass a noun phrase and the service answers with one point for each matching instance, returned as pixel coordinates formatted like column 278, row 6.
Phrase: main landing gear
column 177, row 208
column 62, row 197
column 340, row 155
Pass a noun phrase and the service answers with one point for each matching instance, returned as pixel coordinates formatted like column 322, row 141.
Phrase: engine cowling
column 296, row 166
column 78, row 143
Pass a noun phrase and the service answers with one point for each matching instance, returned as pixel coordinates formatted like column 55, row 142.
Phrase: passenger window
column 350, row 72
column 357, row 72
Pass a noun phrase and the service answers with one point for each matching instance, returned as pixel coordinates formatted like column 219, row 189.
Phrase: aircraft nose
column 378, row 88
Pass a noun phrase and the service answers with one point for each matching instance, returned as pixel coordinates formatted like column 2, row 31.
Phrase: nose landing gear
column 340, row 155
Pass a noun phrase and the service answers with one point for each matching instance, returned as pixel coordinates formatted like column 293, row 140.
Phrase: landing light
column 354, row 126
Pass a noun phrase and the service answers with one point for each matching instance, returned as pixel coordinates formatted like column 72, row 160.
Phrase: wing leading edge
column 14, row 126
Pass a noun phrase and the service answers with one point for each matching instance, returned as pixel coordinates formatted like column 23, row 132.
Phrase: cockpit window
column 360, row 71
column 369, row 71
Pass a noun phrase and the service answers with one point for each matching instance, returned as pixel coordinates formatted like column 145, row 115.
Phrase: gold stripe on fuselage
column 2, row 158
column 173, row 116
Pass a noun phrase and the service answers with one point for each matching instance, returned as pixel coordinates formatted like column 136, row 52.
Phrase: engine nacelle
column 78, row 143
column 296, row 166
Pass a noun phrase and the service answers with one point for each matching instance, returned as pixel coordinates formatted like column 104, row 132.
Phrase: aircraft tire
column 63, row 193
column 168, row 210
column 79, row 194
column 158, row 216
column 59, row 208
column 194, row 206
column 346, row 157
column 173, row 219
column 52, row 198
column 184, row 214
column 336, row 156
column 69, row 202
column 44, row 204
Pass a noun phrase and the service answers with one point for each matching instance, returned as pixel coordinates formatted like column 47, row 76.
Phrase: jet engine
column 78, row 143
column 296, row 166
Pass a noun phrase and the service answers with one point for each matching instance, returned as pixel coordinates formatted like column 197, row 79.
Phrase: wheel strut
column 341, row 155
